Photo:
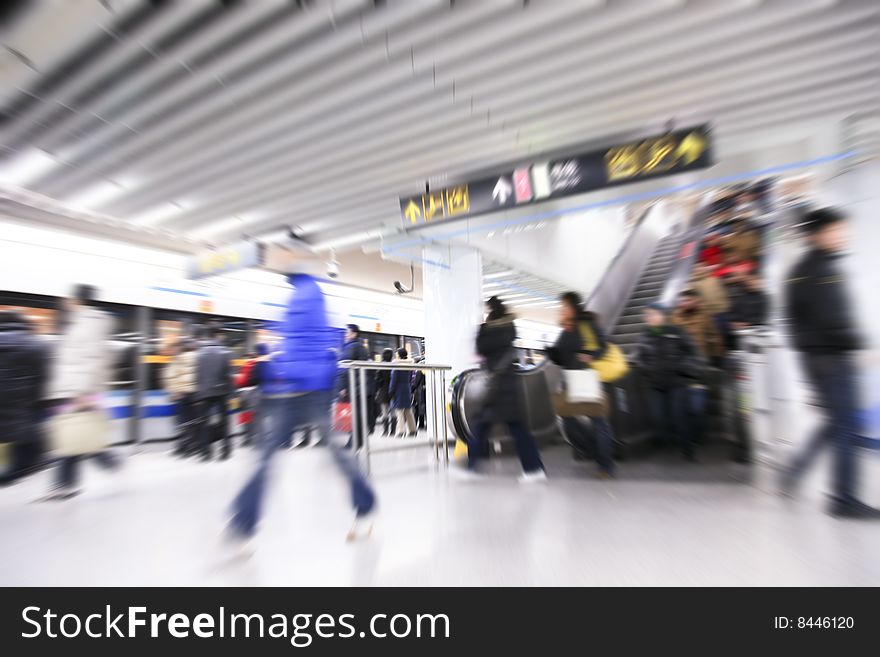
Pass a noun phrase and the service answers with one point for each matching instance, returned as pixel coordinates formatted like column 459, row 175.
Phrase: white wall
column 573, row 250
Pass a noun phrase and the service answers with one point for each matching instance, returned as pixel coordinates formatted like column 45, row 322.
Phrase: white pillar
column 452, row 292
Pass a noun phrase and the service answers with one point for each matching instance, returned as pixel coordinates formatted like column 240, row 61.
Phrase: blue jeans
column 697, row 400
column 525, row 445
column 833, row 378
column 668, row 408
column 282, row 415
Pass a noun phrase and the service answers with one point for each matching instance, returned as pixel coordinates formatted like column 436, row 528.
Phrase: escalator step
column 658, row 261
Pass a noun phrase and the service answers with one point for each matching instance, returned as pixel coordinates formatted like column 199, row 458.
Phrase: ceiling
column 527, row 295
column 185, row 123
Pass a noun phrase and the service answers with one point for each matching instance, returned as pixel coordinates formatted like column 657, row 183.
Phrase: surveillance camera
column 333, row 269
column 401, row 288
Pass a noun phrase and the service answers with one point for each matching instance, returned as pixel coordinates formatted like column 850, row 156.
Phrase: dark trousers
column 69, row 467
column 697, row 401
column 389, row 419
column 833, row 379
column 186, row 421
column 421, row 408
column 525, row 445
column 668, row 408
column 284, row 415
column 26, row 454
column 725, row 330
column 208, row 432
column 598, row 443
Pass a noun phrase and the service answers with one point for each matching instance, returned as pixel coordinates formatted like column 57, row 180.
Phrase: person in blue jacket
column 296, row 386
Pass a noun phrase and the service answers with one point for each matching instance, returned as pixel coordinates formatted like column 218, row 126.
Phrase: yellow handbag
column 612, row 365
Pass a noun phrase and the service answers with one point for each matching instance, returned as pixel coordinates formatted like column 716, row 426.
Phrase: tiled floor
column 662, row 523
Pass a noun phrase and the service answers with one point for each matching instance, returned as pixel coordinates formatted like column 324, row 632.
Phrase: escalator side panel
column 469, row 392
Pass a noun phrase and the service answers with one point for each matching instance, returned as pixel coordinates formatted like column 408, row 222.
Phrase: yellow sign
column 219, row 261
column 457, row 200
column 228, row 258
column 433, row 205
column 412, row 212
column 653, row 156
column 691, row 147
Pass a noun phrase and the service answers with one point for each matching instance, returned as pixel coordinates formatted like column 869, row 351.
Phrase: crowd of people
column 683, row 343
column 52, row 402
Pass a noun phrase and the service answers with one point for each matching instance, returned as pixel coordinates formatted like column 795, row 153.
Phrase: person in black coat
column 669, row 363
column 24, row 362
column 502, row 404
column 571, row 353
column 420, row 398
column 353, row 349
column 750, row 307
column 383, row 398
column 825, row 333
column 213, row 388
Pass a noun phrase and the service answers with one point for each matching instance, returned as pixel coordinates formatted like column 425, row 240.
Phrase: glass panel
column 415, row 347
column 376, row 343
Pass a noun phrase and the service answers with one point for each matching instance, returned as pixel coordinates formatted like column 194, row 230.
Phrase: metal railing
column 357, row 393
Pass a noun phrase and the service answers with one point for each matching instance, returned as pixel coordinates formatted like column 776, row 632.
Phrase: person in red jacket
column 712, row 253
column 246, row 381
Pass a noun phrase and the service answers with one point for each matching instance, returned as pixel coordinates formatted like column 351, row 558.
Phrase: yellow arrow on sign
column 691, row 147
column 412, row 212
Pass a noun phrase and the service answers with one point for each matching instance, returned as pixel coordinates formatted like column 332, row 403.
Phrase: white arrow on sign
column 502, row 190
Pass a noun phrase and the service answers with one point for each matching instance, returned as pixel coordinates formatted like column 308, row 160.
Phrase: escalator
column 653, row 265
column 648, row 289
column 666, row 274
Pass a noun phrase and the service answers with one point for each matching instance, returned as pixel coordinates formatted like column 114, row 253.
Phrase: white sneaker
column 536, row 477
column 362, row 528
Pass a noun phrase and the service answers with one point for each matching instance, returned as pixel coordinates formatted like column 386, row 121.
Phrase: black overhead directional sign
column 663, row 155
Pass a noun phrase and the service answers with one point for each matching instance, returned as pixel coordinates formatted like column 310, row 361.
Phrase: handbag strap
column 588, row 337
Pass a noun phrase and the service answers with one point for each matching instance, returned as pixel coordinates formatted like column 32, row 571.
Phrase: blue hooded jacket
column 307, row 360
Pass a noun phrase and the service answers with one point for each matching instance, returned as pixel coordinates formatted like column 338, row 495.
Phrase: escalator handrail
column 624, row 247
column 682, row 270
column 623, row 271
